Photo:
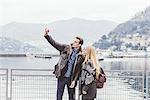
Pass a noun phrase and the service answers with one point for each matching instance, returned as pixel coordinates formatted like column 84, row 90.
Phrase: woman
column 90, row 71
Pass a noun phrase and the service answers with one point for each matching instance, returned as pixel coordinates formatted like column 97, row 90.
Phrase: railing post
column 6, row 84
column 147, row 85
column 10, row 84
column 144, row 84
column 79, row 88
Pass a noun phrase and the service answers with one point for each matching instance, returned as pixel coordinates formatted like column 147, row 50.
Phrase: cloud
column 45, row 11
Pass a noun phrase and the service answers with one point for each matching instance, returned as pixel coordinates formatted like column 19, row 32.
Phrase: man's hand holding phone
column 46, row 31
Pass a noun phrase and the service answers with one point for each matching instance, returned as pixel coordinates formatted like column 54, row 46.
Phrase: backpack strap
column 87, row 72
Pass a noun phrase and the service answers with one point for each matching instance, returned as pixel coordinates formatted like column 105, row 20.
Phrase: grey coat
column 65, row 51
column 88, row 82
column 88, row 73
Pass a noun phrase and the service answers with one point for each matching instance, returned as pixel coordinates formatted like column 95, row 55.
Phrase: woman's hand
column 72, row 84
column 84, row 92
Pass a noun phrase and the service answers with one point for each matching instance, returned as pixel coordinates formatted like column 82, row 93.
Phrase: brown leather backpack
column 101, row 79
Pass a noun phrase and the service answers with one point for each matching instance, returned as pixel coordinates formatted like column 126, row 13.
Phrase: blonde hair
column 91, row 54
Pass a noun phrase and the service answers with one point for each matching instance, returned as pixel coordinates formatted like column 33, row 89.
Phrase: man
column 69, row 66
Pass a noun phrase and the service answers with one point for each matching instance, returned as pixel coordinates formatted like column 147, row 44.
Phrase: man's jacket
column 65, row 52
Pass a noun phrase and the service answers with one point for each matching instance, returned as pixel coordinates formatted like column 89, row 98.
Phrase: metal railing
column 148, row 85
column 32, row 84
column 123, row 85
column 40, row 84
column 3, row 84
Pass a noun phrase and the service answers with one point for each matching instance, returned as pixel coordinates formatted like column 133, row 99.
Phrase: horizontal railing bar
column 104, row 70
column 51, row 69
column 33, row 69
column 3, row 74
column 34, row 75
column 106, row 76
column 125, row 76
column 123, row 70
column 3, row 69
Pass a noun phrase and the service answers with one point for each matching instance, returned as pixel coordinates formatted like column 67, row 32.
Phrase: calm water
column 41, row 63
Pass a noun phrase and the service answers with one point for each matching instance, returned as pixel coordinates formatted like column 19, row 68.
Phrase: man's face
column 76, row 44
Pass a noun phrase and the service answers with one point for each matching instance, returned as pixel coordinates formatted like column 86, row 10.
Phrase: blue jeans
column 62, row 81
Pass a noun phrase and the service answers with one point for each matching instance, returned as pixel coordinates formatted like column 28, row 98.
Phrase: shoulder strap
column 90, row 73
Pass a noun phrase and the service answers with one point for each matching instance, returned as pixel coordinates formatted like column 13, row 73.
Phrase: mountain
column 62, row 31
column 13, row 46
column 21, row 31
column 88, row 29
column 133, row 34
column 138, row 24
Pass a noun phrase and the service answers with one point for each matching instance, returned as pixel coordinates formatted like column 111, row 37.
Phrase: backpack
column 101, row 79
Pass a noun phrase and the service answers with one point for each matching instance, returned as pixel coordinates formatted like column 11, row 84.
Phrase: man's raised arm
column 55, row 44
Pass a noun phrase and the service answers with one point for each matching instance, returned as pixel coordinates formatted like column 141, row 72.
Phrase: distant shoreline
column 13, row 55
column 24, row 55
column 56, row 55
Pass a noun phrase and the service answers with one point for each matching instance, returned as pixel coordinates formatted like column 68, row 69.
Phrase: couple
column 74, row 62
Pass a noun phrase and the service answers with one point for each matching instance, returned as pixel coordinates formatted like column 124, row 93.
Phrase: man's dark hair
column 81, row 40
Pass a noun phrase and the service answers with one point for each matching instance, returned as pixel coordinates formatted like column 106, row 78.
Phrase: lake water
column 41, row 63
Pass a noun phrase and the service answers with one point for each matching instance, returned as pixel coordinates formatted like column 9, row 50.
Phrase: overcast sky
column 46, row 11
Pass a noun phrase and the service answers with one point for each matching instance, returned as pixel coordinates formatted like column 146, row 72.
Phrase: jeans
column 62, row 81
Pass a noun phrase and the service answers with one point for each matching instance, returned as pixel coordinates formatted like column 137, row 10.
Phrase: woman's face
column 86, row 50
